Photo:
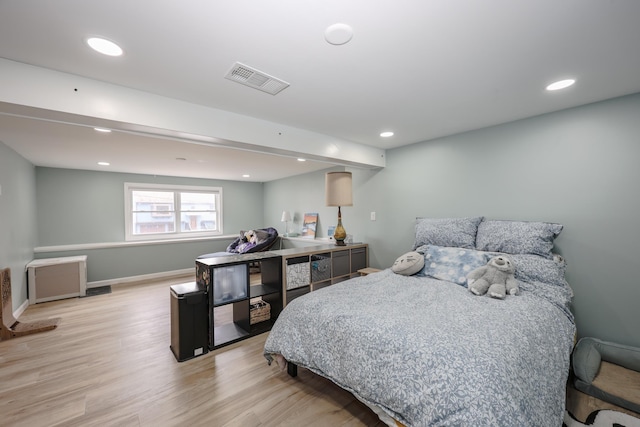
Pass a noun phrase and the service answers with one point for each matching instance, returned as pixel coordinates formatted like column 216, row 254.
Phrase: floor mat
column 603, row 418
column 101, row 290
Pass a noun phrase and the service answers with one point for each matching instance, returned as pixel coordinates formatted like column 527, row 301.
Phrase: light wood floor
column 109, row 364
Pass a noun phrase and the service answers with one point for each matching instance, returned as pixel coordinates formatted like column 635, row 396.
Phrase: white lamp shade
column 338, row 189
column 286, row 216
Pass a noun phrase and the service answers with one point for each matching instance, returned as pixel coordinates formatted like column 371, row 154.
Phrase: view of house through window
column 157, row 211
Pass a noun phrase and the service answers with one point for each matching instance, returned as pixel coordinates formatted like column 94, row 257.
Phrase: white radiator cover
column 57, row 278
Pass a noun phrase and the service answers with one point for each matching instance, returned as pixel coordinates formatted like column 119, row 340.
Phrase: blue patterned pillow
column 451, row 264
column 517, row 237
column 451, row 232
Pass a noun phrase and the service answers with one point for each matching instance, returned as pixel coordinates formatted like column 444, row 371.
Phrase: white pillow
column 408, row 264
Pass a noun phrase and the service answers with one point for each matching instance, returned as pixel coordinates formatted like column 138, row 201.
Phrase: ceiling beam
column 46, row 94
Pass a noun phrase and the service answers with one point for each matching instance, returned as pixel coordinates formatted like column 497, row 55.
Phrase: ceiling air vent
column 256, row 79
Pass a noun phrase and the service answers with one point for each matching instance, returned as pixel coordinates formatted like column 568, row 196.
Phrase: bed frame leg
column 292, row 369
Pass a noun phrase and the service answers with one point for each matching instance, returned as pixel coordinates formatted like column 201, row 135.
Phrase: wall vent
column 251, row 77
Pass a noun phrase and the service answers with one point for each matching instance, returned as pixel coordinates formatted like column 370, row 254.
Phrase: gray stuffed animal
column 495, row 278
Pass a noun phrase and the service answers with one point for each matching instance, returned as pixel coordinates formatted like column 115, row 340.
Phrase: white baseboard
column 123, row 281
column 21, row 309
column 142, row 277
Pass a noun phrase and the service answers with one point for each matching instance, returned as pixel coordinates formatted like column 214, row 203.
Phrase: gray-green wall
column 578, row 167
column 18, row 227
column 78, row 207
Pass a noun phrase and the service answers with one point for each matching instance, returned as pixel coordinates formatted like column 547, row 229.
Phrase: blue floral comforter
column 430, row 353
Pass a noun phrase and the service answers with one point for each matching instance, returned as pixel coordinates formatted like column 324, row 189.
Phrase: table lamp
column 286, row 217
column 338, row 193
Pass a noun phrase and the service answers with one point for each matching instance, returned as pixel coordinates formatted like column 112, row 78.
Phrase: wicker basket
column 259, row 311
column 320, row 268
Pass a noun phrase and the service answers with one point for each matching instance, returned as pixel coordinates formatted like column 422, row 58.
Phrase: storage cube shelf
column 228, row 286
column 311, row 268
column 284, row 275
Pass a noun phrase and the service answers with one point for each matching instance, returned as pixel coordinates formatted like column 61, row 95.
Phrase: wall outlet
column 373, row 216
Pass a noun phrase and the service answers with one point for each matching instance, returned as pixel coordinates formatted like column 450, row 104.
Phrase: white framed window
column 156, row 211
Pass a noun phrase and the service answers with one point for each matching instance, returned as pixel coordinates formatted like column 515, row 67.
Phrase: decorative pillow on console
column 450, row 232
column 517, row 237
column 451, row 264
column 408, row 264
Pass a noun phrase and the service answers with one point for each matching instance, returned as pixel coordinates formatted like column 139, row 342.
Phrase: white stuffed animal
column 251, row 237
column 496, row 278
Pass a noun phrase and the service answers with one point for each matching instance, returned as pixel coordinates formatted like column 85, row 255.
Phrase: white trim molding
column 143, row 277
column 110, row 245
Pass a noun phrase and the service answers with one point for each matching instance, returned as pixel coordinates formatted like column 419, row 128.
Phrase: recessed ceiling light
column 103, row 130
column 386, row 134
column 302, row 160
column 104, row 163
column 104, row 46
column 338, row 34
column 246, row 175
column 561, row 84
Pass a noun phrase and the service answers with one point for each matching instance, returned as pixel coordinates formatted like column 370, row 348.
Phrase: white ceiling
column 422, row 69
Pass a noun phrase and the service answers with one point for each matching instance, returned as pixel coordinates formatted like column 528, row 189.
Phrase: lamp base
column 340, row 233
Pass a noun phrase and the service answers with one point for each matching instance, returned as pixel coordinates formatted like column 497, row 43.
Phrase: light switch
column 373, row 216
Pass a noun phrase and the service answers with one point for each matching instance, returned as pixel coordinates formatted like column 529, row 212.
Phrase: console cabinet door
column 340, row 263
column 358, row 259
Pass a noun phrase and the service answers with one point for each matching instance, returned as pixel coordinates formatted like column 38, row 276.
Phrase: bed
column 421, row 350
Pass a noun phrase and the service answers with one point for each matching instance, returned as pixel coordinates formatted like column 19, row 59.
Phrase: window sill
column 108, row 245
